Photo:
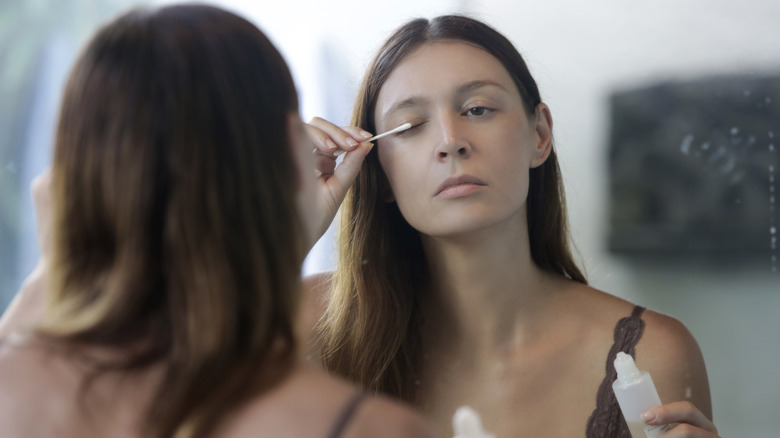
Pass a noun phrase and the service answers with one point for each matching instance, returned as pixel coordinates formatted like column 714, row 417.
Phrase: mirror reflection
column 670, row 199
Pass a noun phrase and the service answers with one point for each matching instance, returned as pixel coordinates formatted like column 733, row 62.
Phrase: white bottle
column 467, row 424
column 636, row 393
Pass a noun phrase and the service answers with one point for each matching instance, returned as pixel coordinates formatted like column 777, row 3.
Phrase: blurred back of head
column 176, row 235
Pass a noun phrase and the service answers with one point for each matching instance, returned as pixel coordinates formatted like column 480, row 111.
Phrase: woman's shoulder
column 663, row 335
column 324, row 401
column 30, row 375
column 21, row 357
column 384, row 418
column 666, row 348
column 372, row 415
column 671, row 354
column 596, row 312
column 28, row 306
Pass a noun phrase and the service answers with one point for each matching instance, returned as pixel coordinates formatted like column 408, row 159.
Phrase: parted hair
column 176, row 235
column 370, row 332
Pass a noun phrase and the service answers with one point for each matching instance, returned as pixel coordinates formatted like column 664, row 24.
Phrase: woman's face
column 464, row 165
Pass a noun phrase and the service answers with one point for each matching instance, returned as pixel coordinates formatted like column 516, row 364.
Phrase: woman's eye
column 411, row 130
column 477, row 111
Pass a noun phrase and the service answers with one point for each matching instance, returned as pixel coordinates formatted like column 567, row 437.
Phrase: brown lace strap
column 606, row 421
column 346, row 414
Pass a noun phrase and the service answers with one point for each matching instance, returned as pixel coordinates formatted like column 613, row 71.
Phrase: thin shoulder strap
column 606, row 420
column 346, row 414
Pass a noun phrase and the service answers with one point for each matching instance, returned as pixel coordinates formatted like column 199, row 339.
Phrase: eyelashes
column 411, row 130
column 473, row 112
column 477, row 111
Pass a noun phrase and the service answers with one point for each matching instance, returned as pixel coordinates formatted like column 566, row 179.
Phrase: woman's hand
column 691, row 421
column 330, row 141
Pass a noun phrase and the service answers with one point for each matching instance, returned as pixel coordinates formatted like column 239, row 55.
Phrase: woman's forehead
column 440, row 69
column 446, row 60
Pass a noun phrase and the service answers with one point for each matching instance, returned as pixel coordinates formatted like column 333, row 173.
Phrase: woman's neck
column 486, row 292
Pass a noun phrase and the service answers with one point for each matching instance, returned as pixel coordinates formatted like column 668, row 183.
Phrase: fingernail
column 648, row 416
column 351, row 141
column 365, row 134
column 330, row 144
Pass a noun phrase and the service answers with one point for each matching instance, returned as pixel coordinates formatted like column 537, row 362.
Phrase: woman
column 455, row 284
column 182, row 208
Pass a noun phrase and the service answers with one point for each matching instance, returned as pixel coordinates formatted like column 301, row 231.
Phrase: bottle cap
column 626, row 368
column 467, row 424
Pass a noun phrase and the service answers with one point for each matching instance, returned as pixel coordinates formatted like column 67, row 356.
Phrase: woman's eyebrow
column 475, row 85
column 409, row 102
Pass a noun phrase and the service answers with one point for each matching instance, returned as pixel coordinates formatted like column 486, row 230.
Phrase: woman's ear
column 543, row 125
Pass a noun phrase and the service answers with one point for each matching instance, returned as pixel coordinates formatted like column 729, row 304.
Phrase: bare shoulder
column 593, row 309
column 671, row 354
column 666, row 337
column 9, row 400
column 381, row 417
column 304, row 393
column 28, row 306
column 321, row 399
column 18, row 360
column 667, row 349
column 24, row 381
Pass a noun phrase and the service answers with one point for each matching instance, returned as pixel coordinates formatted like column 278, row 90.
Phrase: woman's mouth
column 459, row 186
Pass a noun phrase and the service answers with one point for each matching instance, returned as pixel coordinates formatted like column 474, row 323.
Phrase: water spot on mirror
column 685, row 147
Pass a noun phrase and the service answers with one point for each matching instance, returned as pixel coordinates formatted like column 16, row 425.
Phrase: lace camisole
column 607, row 421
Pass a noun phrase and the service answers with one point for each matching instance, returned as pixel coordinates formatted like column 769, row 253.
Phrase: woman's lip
column 459, row 186
column 459, row 191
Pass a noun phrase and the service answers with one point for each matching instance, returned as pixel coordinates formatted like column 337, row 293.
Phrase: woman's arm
column 29, row 304
column 672, row 356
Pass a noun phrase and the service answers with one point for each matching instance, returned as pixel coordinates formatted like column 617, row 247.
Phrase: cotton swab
column 401, row 128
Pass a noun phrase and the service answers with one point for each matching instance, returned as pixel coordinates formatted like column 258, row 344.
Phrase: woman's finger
column 334, row 187
column 325, row 165
column 683, row 412
column 330, row 138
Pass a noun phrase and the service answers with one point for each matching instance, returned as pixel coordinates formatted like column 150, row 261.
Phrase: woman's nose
column 453, row 142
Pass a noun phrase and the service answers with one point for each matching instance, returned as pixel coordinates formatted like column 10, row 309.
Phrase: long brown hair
column 176, row 235
column 370, row 333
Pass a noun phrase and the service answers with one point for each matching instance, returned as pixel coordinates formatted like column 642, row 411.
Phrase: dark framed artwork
column 693, row 167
